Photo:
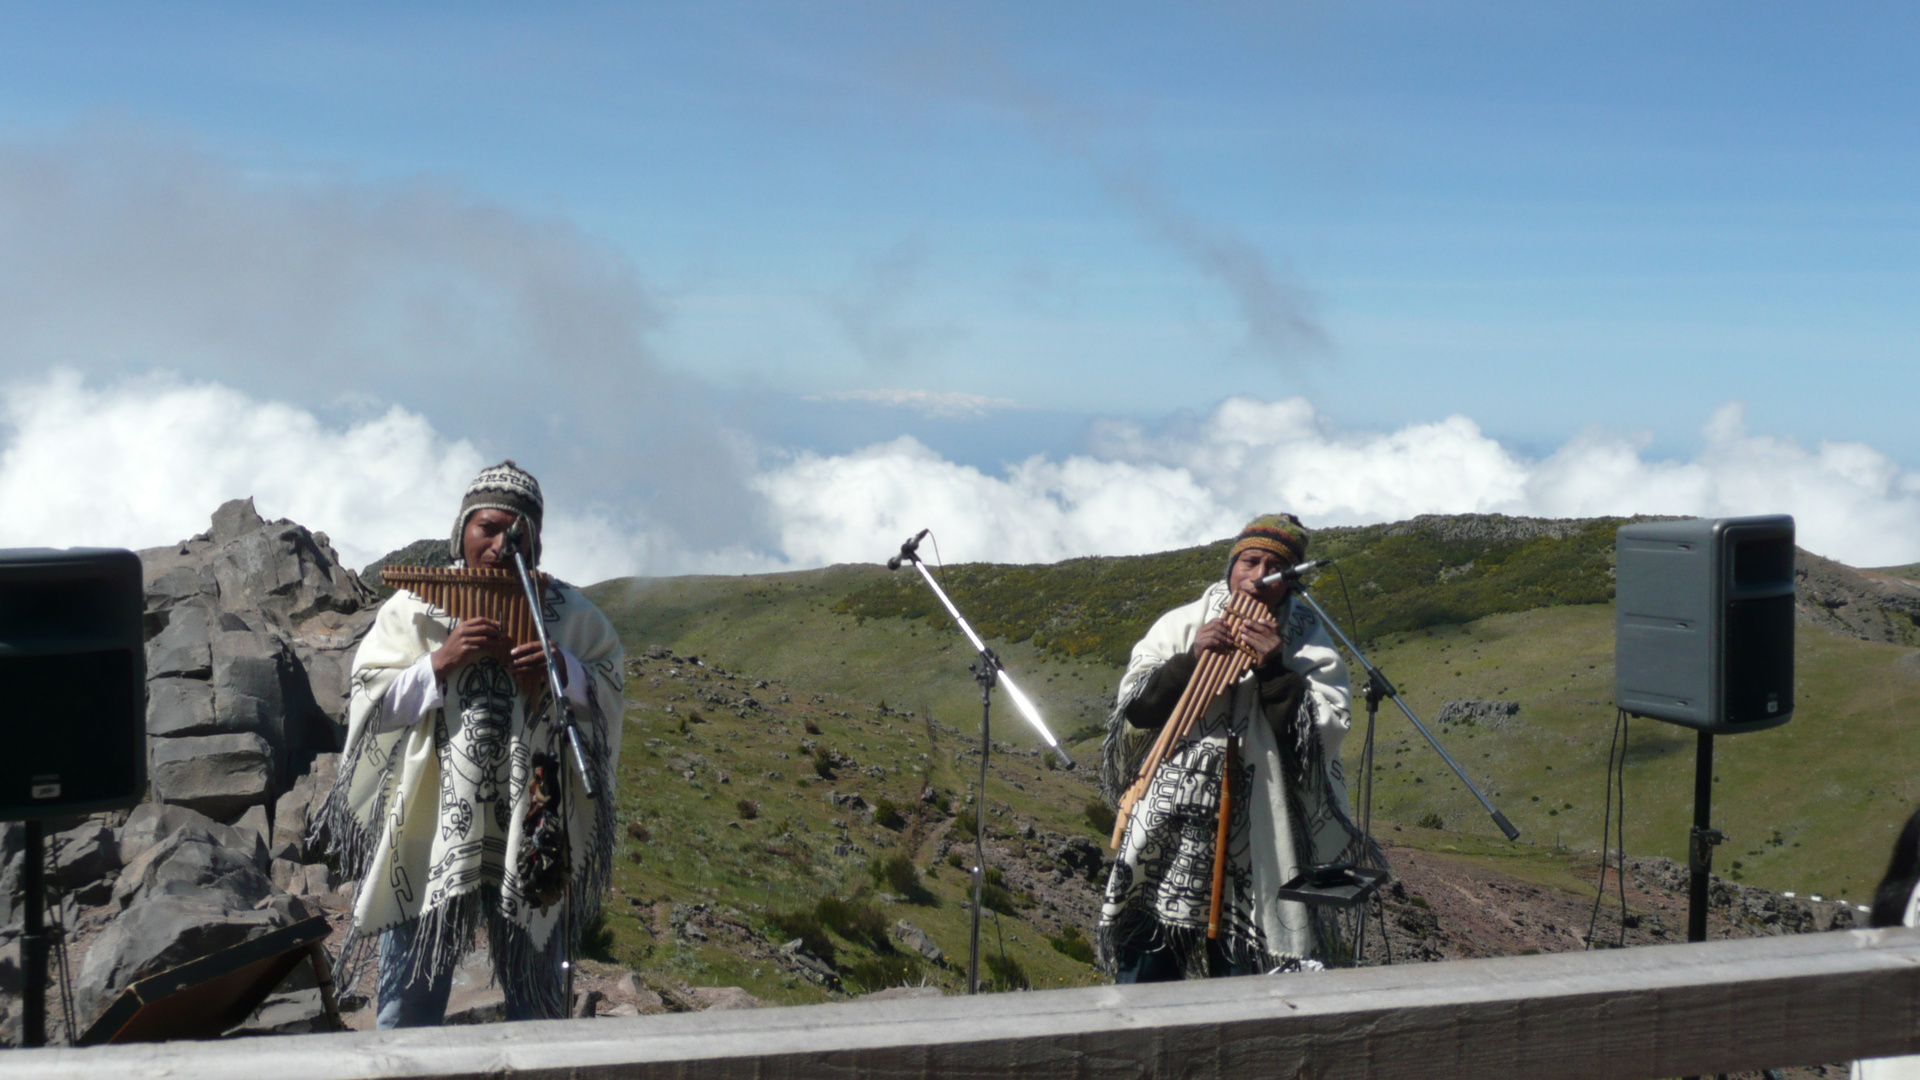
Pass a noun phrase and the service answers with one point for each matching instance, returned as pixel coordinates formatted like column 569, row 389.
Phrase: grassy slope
column 1835, row 783
column 700, row 849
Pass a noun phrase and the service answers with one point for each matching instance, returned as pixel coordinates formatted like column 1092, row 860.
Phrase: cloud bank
column 1199, row 480
column 142, row 461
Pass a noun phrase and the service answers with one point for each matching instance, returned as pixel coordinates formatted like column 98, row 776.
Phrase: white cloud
column 143, row 461
column 1201, row 479
column 940, row 403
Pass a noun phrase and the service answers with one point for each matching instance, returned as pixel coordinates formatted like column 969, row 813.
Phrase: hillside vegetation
column 1405, row 576
column 859, row 687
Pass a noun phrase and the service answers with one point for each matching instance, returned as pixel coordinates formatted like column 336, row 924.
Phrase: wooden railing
column 1650, row 1012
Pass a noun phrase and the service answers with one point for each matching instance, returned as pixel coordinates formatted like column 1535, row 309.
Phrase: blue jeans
column 423, row 1002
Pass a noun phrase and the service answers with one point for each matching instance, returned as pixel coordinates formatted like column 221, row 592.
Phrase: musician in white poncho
column 1289, row 806
column 459, row 804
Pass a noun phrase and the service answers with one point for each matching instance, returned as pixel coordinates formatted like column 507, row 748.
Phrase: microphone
column 907, row 549
column 1292, row 573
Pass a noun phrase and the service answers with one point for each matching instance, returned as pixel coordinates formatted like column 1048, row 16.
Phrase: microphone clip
column 1295, row 572
column 909, row 551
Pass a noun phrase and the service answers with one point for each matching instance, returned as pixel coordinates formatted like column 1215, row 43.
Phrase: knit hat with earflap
column 508, row 487
column 1281, row 534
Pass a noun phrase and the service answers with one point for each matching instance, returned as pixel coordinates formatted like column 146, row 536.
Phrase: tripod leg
column 1227, row 762
column 323, row 975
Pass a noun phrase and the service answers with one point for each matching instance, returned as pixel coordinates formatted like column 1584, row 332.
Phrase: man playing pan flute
column 1288, row 806
column 451, row 808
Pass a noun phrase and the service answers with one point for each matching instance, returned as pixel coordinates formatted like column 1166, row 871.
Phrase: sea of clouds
column 141, row 461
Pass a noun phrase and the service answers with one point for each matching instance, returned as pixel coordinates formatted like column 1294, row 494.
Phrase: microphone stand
column 1378, row 687
column 563, row 709
column 987, row 671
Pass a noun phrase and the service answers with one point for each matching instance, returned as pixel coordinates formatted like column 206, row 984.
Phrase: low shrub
column 882, row 972
column 596, row 939
column 1072, row 943
column 1101, row 816
column 807, row 927
column 748, row 809
column 896, row 872
column 963, row 825
column 887, row 815
column 854, row 920
column 1007, row 972
column 822, row 763
column 996, row 898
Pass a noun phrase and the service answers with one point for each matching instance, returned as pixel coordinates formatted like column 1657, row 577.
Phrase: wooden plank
column 1615, row 1015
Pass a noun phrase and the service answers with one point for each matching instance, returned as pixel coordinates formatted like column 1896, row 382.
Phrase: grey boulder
column 190, row 864
column 83, row 860
column 162, row 932
column 183, row 649
column 151, row 823
column 180, row 707
column 218, row 775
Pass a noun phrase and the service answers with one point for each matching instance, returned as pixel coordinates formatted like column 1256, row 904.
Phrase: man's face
column 484, row 543
column 1253, row 564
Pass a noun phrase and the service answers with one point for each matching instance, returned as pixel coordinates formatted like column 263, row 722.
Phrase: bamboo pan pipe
column 1212, row 676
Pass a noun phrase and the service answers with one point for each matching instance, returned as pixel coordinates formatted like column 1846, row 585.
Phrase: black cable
column 57, row 922
column 1344, row 595
column 1616, row 776
column 1380, row 899
column 1620, row 823
column 1380, row 908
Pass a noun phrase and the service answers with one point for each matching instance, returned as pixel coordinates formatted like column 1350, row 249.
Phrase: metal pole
column 1020, row 699
column 560, row 702
column 985, row 672
column 33, row 939
column 1701, row 839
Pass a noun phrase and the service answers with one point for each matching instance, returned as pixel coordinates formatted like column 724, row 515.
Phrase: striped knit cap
column 508, row 487
column 1281, row 534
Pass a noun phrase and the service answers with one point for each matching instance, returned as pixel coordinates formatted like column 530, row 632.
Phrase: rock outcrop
column 1858, row 603
column 251, row 629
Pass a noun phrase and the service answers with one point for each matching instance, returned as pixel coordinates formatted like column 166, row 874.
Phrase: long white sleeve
column 413, row 695
column 575, row 678
column 416, row 692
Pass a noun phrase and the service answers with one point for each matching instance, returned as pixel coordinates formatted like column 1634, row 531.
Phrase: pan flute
column 472, row 593
column 1215, row 672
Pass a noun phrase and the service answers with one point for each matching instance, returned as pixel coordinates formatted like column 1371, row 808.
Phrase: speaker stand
column 1701, row 841
column 33, row 938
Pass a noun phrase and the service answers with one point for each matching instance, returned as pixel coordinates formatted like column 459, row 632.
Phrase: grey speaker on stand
column 1703, row 638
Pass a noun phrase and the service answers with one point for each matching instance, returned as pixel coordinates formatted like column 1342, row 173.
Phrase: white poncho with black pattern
column 432, row 818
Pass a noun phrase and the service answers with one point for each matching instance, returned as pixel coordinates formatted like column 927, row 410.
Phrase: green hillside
column 1452, row 608
column 1405, row 576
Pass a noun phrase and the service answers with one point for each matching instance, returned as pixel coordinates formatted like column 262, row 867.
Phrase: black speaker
column 1703, row 622
column 73, row 682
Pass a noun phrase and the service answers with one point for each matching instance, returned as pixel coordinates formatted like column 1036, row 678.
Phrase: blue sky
column 1542, row 218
